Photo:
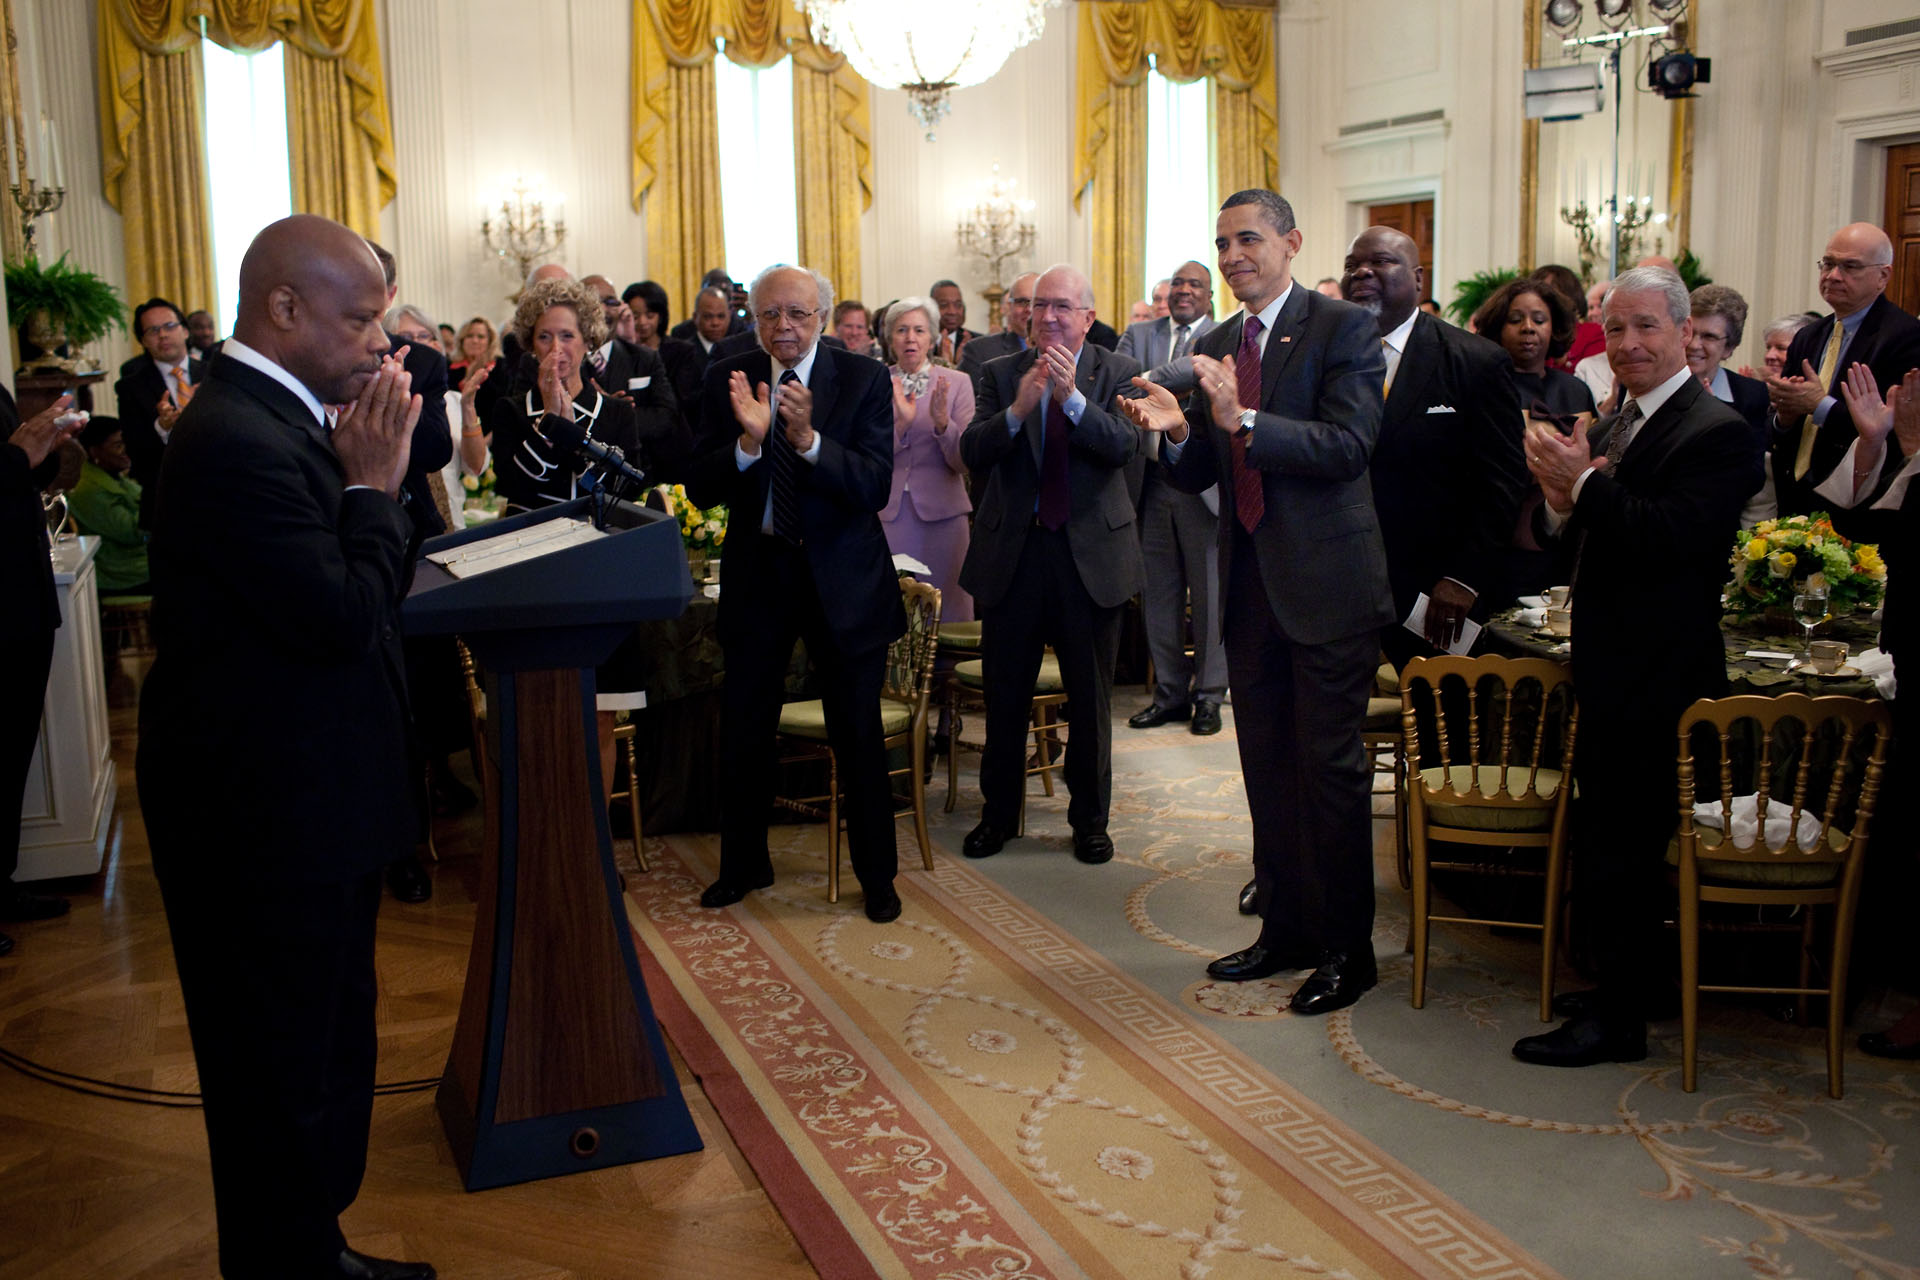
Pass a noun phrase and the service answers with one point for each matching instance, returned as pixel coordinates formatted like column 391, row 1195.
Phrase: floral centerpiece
column 1778, row 559
column 702, row 530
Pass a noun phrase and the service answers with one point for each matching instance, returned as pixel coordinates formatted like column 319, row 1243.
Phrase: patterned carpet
column 1029, row 1075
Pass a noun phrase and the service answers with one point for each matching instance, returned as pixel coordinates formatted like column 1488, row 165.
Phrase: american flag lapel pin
column 1286, row 337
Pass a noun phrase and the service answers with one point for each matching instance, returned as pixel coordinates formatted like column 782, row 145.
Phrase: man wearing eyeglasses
column 797, row 440
column 153, row 388
column 1812, row 427
column 1055, row 554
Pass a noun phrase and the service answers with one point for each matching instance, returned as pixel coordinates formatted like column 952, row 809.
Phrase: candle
column 56, row 163
column 13, row 167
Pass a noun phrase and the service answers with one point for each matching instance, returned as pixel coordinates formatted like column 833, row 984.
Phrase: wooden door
column 1903, row 225
column 1415, row 219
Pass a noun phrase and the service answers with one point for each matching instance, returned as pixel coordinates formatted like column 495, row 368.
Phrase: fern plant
column 1476, row 289
column 1692, row 273
column 89, row 306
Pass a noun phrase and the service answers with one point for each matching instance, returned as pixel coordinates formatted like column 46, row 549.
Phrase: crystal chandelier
column 927, row 47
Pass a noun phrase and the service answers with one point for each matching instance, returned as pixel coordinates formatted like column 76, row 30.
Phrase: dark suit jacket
column 432, row 436
column 656, row 408
column 1321, row 559
column 975, row 355
column 840, row 492
column 686, row 332
column 1100, row 527
column 1448, row 469
column 272, row 724
column 1888, row 342
column 26, row 574
column 1101, row 334
column 140, row 386
column 1651, row 543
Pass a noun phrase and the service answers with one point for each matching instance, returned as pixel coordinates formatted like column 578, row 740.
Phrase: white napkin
column 1532, row 616
column 1779, row 815
column 1531, row 602
column 1878, row 664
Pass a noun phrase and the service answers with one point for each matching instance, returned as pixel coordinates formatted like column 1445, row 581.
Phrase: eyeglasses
column 797, row 315
column 1851, row 266
column 609, row 303
column 155, row 330
column 1043, row 306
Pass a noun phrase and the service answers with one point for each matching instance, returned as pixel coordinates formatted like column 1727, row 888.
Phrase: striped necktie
column 785, row 478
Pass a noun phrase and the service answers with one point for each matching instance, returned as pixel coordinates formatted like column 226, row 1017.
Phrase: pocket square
column 1440, row 408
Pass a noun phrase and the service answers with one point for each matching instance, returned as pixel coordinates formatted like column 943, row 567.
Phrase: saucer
column 1846, row 671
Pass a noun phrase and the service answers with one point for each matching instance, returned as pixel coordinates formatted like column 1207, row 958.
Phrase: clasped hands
column 1557, row 460
column 1052, row 375
column 1795, row 396
column 753, row 410
column 1158, row 410
column 903, row 405
column 373, row 436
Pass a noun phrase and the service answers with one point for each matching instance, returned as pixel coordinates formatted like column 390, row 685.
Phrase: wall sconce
column 996, row 229
column 32, row 199
column 519, row 228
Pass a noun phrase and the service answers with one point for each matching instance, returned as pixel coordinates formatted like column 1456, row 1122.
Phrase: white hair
column 913, row 303
column 407, row 311
column 1654, row 280
column 1086, row 285
column 820, row 282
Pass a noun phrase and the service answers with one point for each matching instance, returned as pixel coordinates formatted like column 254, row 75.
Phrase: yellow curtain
column 1187, row 39
column 676, row 139
column 152, row 150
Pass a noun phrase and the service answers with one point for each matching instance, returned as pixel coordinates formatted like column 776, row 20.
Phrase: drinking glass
column 1810, row 610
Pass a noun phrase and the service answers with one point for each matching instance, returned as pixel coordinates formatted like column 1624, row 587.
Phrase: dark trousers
column 850, row 683
column 1624, row 816
column 278, row 981
column 1047, row 605
column 1297, row 711
column 23, row 700
column 1179, row 540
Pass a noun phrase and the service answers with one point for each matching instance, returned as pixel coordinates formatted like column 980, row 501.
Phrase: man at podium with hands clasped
column 797, row 440
column 273, row 763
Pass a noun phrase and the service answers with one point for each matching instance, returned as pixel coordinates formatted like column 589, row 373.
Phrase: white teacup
column 1557, row 597
column 1828, row 656
column 1560, row 621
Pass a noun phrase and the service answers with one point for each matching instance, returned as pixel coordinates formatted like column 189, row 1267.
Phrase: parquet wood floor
column 92, row 1189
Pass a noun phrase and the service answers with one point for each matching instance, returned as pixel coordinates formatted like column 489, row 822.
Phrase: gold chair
column 1506, row 798
column 904, row 701
column 966, row 691
column 1386, row 752
column 1824, row 872
column 623, row 738
column 125, row 625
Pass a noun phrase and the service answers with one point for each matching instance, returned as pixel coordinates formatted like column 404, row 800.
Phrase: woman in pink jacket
column 926, row 514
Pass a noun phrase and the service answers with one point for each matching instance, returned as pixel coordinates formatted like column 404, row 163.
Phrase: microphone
column 568, row 437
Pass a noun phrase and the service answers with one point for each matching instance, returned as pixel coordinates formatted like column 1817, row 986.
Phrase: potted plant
column 56, row 309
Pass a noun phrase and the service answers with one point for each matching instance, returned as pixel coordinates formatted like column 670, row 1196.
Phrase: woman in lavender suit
column 926, row 514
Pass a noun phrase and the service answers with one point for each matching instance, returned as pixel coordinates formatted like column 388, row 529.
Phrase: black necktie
column 786, row 463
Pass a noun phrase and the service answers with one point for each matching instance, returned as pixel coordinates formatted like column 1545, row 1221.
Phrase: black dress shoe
column 883, row 904
column 1093, row 847
column 1877, row 1043
column 724, row 892
column 984, row 841
column 1661, row 1006
column 1339, row 981
column 1156, row 715
column 1582, row 1042
column 1249, row 899
column 1206, row 720
column 360, row 1267
column 1254, row 962
column 18, row 905
column 408, row 879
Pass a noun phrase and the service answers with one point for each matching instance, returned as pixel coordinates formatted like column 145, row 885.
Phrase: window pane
column 1180, row 197
column 757, row 198
column 247, row 165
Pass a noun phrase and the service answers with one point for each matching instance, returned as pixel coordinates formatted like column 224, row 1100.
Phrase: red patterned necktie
column 1249, row 496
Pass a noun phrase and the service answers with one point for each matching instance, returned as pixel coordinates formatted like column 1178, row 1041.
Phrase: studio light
column 1564, row 14
column 1673, row 75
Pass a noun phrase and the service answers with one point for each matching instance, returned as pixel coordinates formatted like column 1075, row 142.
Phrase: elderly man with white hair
column 1649, row 496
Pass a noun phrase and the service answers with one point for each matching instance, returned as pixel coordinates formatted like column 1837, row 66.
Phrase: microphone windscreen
column 566, row 435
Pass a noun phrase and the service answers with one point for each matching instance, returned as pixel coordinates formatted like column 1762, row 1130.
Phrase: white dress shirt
column 743, row 459
column 1650, row 404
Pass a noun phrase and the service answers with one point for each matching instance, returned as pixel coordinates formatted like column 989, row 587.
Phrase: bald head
column 547, row 271
column 1383, row 275
column 311, row 299
column 1659, row 263
column 1856, row 268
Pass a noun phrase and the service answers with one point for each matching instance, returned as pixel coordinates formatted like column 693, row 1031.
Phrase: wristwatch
column 1246, row 421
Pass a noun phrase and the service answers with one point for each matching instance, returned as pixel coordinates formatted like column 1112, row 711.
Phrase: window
column 247, row 166
column 1180, row 197
column 757, row 199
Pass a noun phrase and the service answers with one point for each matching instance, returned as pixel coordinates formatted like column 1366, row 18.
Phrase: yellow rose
column 1765, row 527
column 1757, row 549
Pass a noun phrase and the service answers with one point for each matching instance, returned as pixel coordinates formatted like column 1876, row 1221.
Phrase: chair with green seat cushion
column 1839, row 787
column 905, row 696
column 1488, row 757
column 960, row 636
column 966, row 689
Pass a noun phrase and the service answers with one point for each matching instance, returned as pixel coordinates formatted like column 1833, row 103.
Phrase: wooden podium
column 557, row 1063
